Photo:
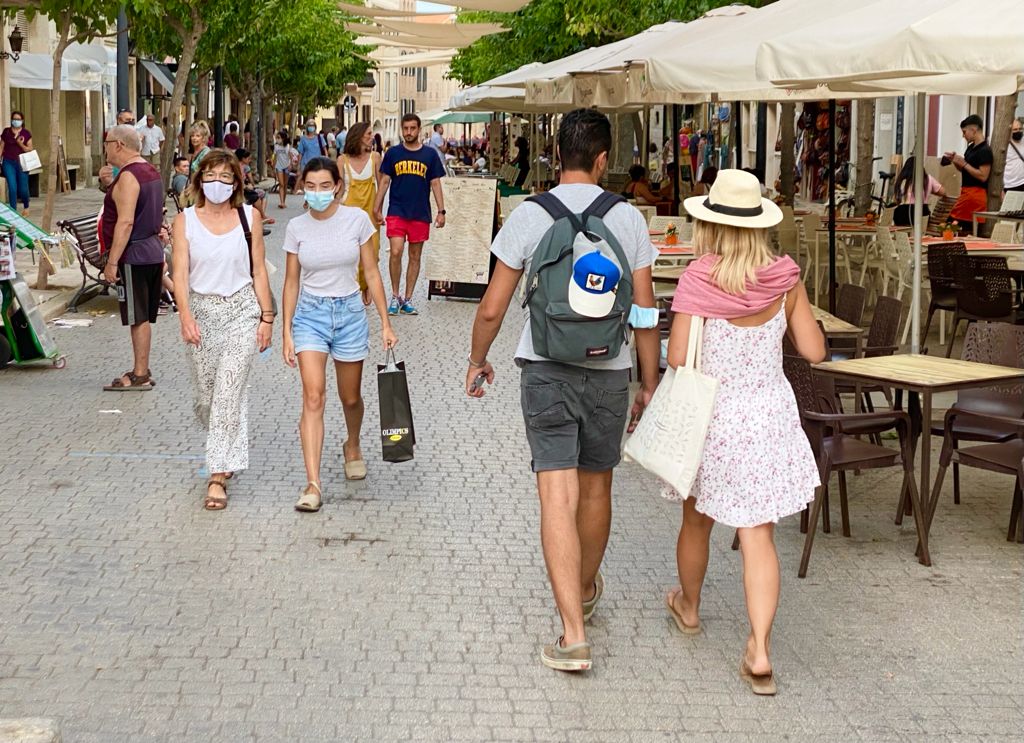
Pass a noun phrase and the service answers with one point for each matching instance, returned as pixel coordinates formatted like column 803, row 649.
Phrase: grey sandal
column 310, row 500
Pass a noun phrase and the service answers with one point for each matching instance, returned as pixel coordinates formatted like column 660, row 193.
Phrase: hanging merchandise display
column 811, row 148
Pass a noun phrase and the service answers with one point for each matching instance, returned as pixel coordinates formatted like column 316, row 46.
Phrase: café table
column 834, row 327
column 922, row 377
column 996, row 216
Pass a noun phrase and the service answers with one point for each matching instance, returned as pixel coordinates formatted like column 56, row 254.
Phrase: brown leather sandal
column 216, row 502
column 136, row 382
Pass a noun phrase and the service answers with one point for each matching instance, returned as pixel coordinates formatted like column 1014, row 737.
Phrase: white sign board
column 885, row 122
column 461, row 250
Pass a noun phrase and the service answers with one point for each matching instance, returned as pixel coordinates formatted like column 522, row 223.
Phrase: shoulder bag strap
column 248, row 234
column 695, row 343
column 1017, row 151
column 602, row 205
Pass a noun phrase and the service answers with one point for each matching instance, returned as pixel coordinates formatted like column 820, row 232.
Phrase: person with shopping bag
column 324, row 316
column 757, row 466
column 587, row 257
column 17, row 141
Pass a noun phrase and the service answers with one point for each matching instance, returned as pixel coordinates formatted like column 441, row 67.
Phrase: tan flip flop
column 310, row 500
column 685, row 628
column 762, row 684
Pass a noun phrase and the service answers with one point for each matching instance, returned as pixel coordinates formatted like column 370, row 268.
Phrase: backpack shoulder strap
column 602, row 205
column 556, row 209
column 248, row 234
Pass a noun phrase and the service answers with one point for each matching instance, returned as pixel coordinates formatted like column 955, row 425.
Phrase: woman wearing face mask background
column 311, row 145
column 226, row 311
column 325, row 318
column 17, row 139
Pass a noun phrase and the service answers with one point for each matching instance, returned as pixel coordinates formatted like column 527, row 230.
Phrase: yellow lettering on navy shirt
column 411, row 167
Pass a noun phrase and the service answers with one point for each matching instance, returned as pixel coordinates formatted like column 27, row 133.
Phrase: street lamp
column 368, row 81
column 16, row 40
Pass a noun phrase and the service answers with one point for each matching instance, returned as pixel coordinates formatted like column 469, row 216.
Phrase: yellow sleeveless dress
column 362, row 190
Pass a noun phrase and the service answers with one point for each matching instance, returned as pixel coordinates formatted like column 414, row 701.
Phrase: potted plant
column 870, row 218
column 950, row 229
column 671, row 234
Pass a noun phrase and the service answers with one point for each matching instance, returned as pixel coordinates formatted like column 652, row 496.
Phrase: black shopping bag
column 397, row 434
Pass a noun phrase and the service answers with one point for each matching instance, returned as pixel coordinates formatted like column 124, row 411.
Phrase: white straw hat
column 735, row 199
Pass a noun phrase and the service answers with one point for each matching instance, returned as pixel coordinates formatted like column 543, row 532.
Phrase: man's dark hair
column 973, row 120
column 583, row 135
column 636, row 172
column 412, row 117
column 180, row 159
column 242, row 153
column 437, row 127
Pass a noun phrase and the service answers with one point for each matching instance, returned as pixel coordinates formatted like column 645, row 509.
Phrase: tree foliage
column 546, row 30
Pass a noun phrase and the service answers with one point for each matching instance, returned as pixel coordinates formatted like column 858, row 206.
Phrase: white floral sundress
column 757, row 466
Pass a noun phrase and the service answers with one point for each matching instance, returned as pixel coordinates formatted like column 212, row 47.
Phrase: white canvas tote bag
column 669, row 439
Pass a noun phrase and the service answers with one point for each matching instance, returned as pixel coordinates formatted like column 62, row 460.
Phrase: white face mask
column 218, row 192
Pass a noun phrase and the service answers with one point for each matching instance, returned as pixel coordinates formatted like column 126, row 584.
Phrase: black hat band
column 734, row 211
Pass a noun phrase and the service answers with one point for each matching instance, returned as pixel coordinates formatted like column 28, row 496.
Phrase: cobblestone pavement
column 413, row 606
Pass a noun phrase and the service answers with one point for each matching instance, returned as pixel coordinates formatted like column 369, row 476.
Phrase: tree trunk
column 189, row 42
column 50, row 165
column 1000, row 142
column 293, row 123
column 787, row 177
column 203, row 99
column 865, row 155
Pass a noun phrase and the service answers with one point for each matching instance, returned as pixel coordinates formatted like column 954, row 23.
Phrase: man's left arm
column 435, row 188
column 980, row 173
column 126, row 196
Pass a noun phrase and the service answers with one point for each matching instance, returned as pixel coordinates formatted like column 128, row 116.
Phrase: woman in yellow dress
column 360, row 169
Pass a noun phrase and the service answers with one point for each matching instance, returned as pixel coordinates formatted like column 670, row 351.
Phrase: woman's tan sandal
column 762, row 684
column 354, row 469
column 216, row 502
column 311, row 499
column 686, row 629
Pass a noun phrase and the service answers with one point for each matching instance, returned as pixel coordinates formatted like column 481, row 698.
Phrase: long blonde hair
column 741, row 252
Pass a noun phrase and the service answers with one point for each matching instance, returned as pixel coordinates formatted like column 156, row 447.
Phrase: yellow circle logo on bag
column 395, row 437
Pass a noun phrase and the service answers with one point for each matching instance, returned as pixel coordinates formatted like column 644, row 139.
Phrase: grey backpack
column 559, row 331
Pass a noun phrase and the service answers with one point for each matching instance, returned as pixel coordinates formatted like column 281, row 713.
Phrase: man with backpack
column 587, row 258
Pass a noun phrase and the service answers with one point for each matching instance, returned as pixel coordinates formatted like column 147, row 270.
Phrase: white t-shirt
column 480, row 164
column 1013, row 174
column 152, row 136
column 218, row 264
column 519, row 236
column 328, row 250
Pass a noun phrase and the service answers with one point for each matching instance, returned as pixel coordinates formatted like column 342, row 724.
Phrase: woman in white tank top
column 226, row 311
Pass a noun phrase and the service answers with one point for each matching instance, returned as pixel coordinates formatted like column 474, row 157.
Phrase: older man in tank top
column 129, row 229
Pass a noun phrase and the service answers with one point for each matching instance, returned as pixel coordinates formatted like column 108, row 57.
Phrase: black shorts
column 138, row 292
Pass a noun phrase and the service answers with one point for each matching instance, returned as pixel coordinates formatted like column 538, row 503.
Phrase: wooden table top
column 914, row 371
column 680, row 248
column 834, row 326
column 667, row 274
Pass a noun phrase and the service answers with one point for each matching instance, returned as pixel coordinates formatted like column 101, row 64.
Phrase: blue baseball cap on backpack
column 595, row 278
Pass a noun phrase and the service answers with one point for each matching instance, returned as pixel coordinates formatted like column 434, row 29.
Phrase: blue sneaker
column 408, row 309
column 393, row 306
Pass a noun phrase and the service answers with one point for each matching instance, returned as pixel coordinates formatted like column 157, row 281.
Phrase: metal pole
column 832, row 205
column 915, row 298
column 123, row 100
column 761, row 159
column 218, row 106
column 737, row 125
column 675, row 158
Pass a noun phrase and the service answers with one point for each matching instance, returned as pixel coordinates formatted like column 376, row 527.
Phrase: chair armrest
column 953, row 412
column 836, row 420
column 879, row 350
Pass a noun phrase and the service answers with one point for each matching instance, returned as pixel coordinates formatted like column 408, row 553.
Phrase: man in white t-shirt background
column 1013, row 173
column 152, row 138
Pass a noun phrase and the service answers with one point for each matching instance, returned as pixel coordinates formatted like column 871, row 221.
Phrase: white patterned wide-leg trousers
column 220, row 368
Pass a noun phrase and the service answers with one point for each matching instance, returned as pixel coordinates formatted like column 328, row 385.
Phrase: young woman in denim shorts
column 324, row 316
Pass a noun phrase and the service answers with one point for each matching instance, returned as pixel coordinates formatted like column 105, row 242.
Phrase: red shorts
column 410, row 229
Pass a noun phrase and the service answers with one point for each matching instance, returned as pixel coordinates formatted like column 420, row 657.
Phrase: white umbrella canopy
column 487, row 98
column 890, row 43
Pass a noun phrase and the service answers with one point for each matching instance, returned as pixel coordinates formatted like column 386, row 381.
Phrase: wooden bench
column 84, row 235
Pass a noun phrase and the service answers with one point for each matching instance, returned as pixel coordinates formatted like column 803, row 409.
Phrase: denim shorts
column 574, row 416
column 334, row 325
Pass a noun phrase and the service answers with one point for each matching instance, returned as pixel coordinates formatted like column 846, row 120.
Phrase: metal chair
column 941, row 280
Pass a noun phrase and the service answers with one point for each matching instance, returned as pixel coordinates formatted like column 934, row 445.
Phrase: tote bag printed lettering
column 669, row 439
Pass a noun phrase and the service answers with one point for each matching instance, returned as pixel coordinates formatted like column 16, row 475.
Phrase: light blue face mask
column 16, row 123
column 643, row 317
column 319, row 200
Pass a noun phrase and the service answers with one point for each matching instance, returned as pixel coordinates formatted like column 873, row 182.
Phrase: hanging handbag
column 29, row 161
column 248, row 242
column 669, row 439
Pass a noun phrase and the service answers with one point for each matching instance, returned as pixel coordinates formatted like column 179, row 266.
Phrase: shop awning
column 82, row 68
column 161, row 73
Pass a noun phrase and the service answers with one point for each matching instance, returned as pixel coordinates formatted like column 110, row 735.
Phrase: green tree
column 76, row 20
column 546, row 30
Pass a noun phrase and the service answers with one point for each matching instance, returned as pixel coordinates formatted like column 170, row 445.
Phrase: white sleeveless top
column 218, row 264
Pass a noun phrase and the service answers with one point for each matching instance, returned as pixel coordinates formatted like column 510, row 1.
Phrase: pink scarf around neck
column 697, row 293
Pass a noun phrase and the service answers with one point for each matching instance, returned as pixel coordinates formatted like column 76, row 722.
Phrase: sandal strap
column 315, row 485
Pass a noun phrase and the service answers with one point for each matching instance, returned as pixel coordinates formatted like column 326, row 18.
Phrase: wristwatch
column 441, row 211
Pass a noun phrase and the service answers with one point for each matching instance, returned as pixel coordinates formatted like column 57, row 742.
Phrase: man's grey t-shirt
column 522, row 232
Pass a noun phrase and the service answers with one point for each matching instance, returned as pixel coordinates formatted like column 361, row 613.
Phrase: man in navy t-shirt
column 412, row 171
